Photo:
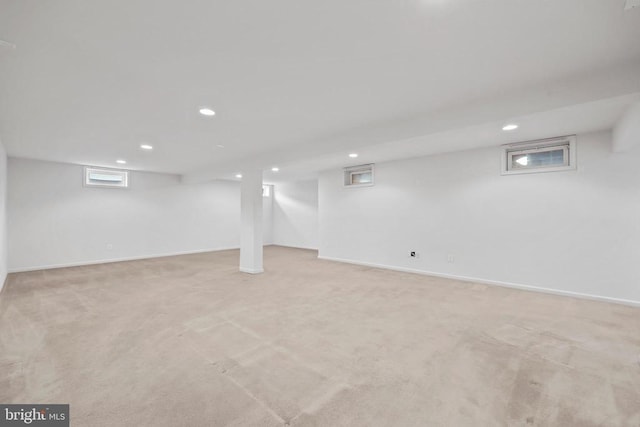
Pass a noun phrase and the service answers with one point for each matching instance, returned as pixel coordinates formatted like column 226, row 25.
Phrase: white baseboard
column 295, row 247
column 110, row 260
column 3, row 281
column 251, row 271
column 487, row 281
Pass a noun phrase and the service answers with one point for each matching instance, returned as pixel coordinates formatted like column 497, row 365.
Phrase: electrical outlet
column 451, row 259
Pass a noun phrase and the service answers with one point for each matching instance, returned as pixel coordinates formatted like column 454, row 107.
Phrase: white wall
column 54, row 220
column 295, row 214
column 3, row 215
column 572, row 232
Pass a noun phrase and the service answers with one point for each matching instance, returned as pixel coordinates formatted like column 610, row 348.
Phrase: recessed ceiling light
column 205, row 111
column 275, row 169
column 238, row 175
column 510, row 126
column 220, row 146
column 146, row 147
column 353, row 155
column 121, row 162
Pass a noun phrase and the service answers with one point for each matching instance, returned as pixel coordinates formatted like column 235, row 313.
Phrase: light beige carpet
column 190, row 341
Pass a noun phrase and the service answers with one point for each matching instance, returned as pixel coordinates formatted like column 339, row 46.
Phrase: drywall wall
column 54, row 220
column 295, row 214
column 567, row 232
column 3, row 215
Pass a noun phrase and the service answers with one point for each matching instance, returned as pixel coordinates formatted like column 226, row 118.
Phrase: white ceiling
column 300, row 84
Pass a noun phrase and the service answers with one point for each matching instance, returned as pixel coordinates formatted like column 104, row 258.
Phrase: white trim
column 250, row 270
column 108, row 261
column 3, row 281
column 309, row 248
column 488, row 282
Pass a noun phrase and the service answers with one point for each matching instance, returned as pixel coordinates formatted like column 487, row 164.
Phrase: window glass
column 361, row 178
column 538, row 160
column 106, row 178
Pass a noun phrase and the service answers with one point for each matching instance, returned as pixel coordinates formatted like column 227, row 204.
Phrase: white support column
column 251, row 222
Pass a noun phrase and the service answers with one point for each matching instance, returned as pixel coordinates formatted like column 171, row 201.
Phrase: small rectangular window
column 358, row 176
column 547, row 155
column 94, row 177
column 266, row 190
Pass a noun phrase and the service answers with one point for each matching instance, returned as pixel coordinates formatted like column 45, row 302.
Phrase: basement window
column 358, row 176
column 94, row 177
column 545, row 155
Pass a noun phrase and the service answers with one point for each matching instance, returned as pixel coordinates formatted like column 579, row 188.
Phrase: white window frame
column 565, row 143
column 350, row 172
column 123, row 183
